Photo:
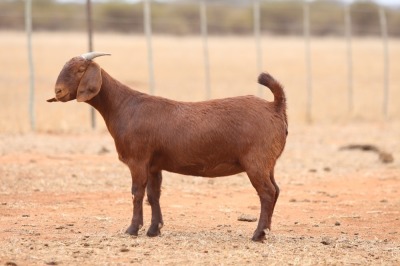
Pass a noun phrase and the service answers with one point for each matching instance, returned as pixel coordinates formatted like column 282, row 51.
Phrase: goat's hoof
column 132, row 230
column 259, row 236
column 154, row 230
column 153, row 233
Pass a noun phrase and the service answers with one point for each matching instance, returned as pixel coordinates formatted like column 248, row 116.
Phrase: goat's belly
column 222, row 169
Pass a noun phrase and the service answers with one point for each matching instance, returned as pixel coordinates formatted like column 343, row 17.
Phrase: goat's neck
column 112, row 98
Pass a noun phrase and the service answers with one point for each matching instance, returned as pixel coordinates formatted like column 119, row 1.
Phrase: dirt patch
column 65, row 200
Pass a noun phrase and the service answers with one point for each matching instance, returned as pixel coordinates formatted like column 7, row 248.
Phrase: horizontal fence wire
column 205, row 18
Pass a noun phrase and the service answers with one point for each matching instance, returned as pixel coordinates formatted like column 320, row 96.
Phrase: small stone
column 337, row 223
column 124, row 250
column 103, row 150
column 386, row 157
column 326, row 241
column 247, row 218
column 25, row 215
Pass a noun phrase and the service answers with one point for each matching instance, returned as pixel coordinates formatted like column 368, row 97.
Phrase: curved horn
column 92, row 55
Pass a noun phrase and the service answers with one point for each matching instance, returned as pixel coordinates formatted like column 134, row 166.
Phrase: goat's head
column 79, row 79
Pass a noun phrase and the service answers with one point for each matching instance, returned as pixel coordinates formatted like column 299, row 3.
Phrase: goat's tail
column 276, row 88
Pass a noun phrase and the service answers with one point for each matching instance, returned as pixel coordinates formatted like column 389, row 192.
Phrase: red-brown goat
column 210, row 138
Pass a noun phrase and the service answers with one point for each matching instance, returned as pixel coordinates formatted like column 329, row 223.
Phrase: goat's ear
column 90, row 83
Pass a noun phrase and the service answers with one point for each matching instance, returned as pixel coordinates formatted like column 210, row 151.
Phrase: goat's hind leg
column 153, row 195
column 277, row 190
column 261, row 181
column 139, row 180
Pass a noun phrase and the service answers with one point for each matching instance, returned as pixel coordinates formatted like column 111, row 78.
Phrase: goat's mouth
column 63, row 98
column 58, row 98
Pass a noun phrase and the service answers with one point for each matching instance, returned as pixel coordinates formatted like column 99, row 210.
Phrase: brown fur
column 211, row 138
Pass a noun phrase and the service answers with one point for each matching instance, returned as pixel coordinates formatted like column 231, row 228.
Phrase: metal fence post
column 347, row 21
column 148, row 32
column 306, row 25
column 28, row 28
column 383, row 22
column 204, row 33
column 257, row 36
column 90, row 48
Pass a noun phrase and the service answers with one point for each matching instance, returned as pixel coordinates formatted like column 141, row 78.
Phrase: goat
column 210, row 138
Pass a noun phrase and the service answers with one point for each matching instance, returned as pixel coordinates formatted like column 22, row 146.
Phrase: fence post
column 204, row 34
column 148, row 32
column 90, row 49
column 306, row 27
column 28, row 28
column 257, row 36
column 347, row 22
column 382, row 19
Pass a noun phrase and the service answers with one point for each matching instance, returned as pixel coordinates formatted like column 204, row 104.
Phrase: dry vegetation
column 65, row 198
column 179, row 74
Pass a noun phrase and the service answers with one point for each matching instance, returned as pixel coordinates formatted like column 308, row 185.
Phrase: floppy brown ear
column 90, row 83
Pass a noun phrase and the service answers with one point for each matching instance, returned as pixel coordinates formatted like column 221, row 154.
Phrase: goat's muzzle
column 62, row 95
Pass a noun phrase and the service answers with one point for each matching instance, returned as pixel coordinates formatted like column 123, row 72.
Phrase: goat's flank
column 211, row 138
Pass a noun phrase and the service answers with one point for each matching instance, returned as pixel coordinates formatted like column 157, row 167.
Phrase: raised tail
column 276, row 88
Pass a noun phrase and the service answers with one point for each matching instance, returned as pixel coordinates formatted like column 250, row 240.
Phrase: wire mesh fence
column 230, row 22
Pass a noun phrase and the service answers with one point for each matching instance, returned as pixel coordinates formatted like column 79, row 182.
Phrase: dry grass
column 64, row 201
column 180, row 75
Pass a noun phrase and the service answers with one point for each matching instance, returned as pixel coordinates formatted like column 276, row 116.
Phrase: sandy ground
column 65, row 200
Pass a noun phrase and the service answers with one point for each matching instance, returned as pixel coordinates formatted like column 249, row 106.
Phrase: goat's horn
column 92, row 55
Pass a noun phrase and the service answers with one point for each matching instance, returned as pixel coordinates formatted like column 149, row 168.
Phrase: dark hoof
column 259, row 236
column 154, row 230
column 132, row 230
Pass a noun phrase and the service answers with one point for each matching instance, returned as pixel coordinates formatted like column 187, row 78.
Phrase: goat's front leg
column 153, row 195
column 139, row 180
